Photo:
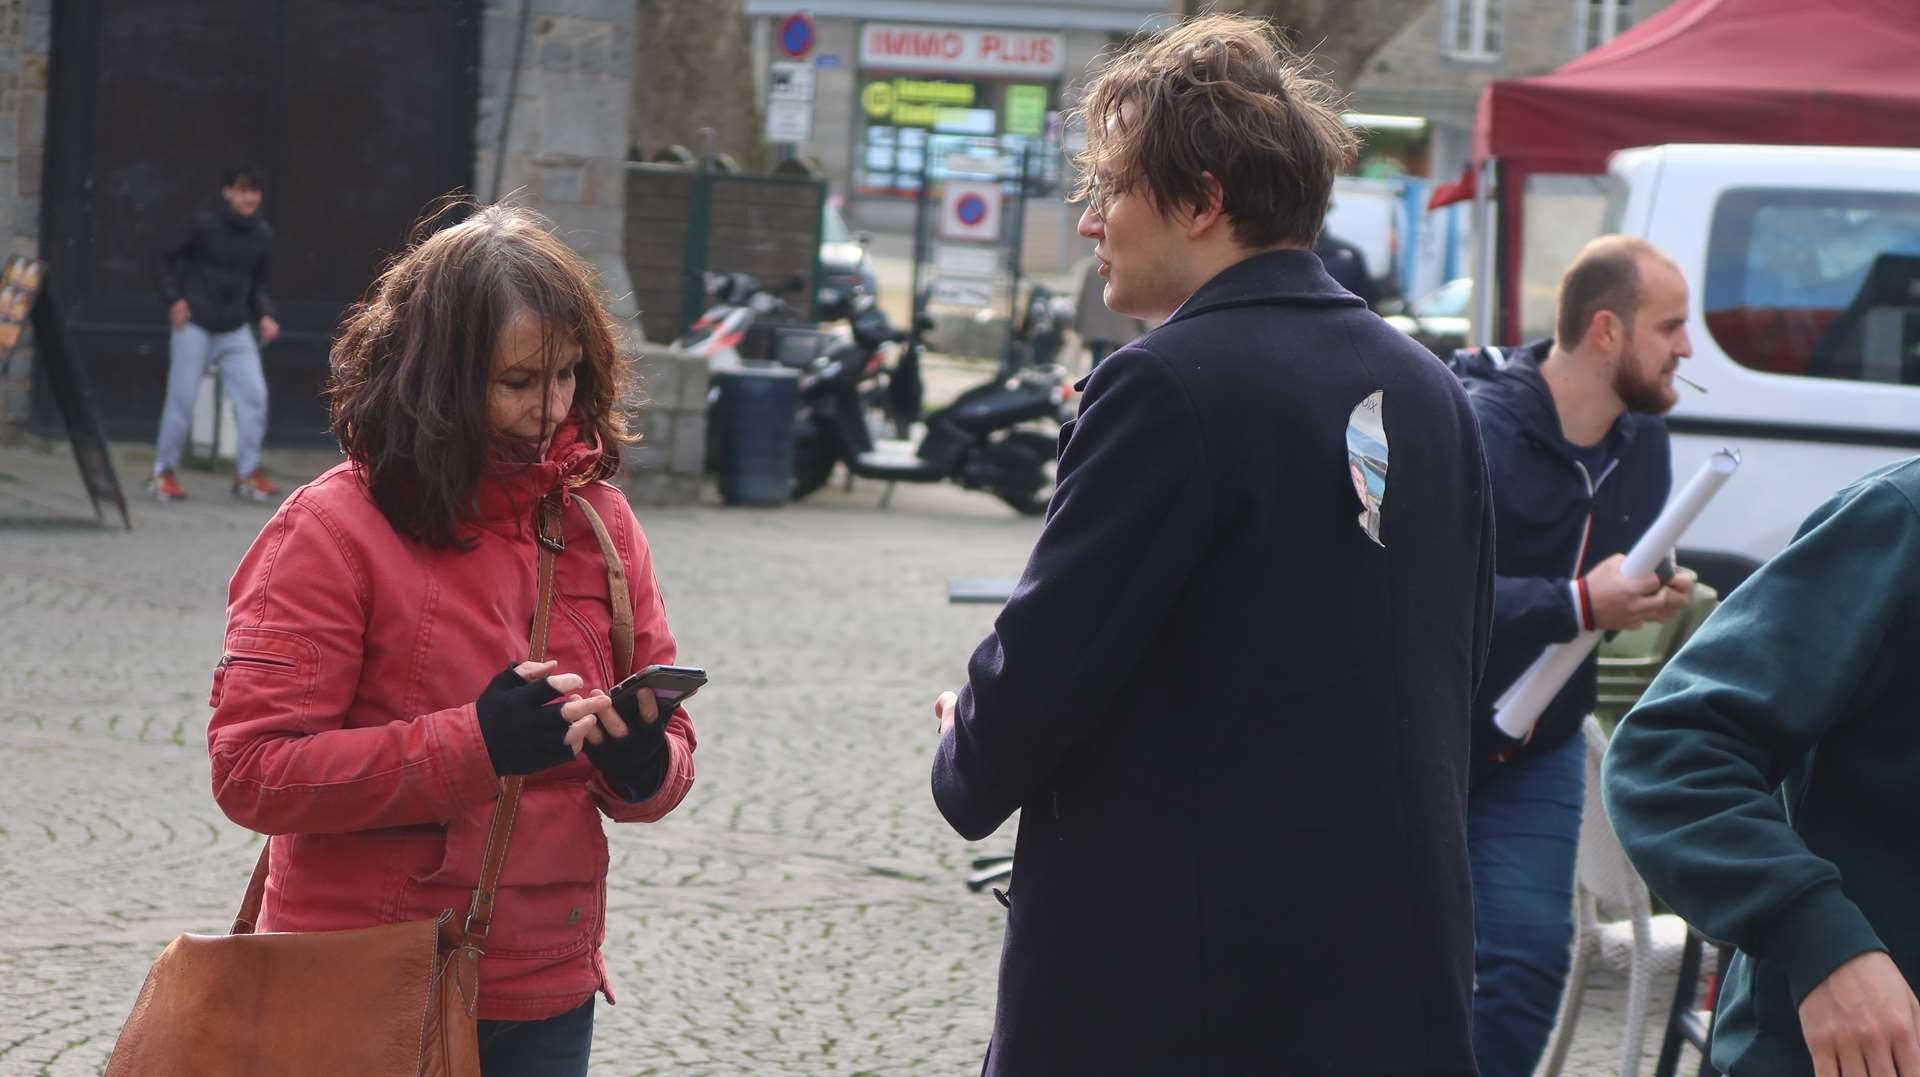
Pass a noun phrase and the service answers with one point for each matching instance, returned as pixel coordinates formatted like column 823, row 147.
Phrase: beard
column 1643, row 395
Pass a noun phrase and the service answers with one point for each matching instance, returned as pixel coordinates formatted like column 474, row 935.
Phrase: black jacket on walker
column 1235, row 726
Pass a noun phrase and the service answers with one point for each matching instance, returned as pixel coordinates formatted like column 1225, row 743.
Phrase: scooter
column 740, row 301
column 989, row 438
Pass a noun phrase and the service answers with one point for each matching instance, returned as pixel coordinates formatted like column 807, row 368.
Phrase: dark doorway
column 361, row 112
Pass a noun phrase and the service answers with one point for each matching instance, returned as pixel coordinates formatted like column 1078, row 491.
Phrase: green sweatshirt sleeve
column 1692, row 780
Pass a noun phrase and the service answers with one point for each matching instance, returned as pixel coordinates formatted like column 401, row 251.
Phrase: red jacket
column 344, row 724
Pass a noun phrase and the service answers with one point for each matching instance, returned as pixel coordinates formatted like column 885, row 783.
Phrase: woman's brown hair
column 1219, row 94
column 412, row 364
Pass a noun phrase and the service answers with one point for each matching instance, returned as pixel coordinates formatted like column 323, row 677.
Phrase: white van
column 1803, row 266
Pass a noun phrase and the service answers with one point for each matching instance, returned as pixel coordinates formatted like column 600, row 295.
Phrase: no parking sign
column 796, row 36
column 970, row 209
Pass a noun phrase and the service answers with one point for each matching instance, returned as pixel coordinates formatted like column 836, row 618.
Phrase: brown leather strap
column 552, row 540
column 617, row 592
column 249, row 913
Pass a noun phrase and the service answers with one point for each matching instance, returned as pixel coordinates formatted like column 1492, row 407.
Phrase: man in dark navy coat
column 1230, row 694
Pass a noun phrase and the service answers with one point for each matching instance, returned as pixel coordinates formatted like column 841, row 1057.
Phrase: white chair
column 1643, row 946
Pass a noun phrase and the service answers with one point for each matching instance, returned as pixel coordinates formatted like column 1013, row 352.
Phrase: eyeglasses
column 1101, row 195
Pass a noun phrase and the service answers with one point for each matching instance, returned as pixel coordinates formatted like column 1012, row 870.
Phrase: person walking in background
column 371, row 696
column 1226, row 654
column 1765, row 783
column 1100, row 330
column 1581, row 467
column 215, row 286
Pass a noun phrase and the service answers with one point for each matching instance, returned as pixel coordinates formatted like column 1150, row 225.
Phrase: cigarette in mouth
column 1697, row 387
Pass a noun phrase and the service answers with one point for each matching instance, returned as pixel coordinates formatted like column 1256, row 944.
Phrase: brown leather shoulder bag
column 396, row 999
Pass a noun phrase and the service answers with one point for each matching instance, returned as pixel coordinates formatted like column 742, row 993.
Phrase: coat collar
column 511, row 489
column 1272, row 277
column 1530, row 402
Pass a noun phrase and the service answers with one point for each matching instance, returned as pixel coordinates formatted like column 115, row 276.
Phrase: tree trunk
column 693, row 68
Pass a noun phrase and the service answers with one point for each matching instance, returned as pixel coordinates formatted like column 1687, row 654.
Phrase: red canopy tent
column 1782, row 72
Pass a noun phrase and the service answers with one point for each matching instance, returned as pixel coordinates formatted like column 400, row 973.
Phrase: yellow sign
column 914, row 102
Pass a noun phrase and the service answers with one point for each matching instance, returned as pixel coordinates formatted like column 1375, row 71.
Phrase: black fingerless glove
column 635, row 764
column 523, row 734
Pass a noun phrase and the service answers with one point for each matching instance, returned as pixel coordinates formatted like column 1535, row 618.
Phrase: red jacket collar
column 510, row 489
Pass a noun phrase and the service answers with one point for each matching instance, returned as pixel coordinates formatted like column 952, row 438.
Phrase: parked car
column 845, row 264
column 1803, row 267
column 1439, row 318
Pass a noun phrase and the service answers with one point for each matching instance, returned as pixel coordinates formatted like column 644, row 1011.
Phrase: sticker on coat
column 1367, row 460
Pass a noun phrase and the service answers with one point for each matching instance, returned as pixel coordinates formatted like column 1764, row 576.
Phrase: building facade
column 25, row 42
column 900, row 87
column 1435, row 68
column 125, row 118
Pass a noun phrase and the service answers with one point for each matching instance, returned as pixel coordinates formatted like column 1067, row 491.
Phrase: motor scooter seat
column 896, row 468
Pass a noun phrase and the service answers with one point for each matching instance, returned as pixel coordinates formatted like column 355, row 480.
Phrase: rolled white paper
column 1519, row 707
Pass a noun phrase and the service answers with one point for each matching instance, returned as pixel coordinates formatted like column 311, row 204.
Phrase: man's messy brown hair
column 411, row 366
column 1219, row 94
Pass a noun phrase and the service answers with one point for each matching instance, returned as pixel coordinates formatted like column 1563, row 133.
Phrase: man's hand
column 269, row 330
column 944, row 709
column 1621, row 602
column 179, row 313
column 1863, row 1021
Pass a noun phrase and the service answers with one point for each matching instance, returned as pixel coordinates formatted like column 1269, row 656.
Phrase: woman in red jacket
column 373, row 692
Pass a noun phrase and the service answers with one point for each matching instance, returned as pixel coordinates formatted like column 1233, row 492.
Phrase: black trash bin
column 755, row 413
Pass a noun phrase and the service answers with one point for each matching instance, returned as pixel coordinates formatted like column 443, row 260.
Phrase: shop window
column 1473, row 28
column 1600, row 21
column 911, row 123
column 1817, row 283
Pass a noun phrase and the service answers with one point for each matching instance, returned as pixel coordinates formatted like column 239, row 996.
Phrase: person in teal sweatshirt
column 1768, row 788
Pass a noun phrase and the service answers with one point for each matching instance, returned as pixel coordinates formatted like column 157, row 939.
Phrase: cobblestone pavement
column 801, row 913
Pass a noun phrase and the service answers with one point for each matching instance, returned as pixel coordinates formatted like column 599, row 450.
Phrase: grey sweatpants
column 188, row 354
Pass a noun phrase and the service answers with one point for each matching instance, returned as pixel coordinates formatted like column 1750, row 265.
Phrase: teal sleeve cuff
column 1818, row 933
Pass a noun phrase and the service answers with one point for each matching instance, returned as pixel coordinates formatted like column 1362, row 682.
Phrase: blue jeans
column 1523, row 827
column 188, row 353
column 555, row 1047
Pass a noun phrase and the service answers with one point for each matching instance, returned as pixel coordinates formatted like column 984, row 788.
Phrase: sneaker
column 255, row 487
column 164, row 486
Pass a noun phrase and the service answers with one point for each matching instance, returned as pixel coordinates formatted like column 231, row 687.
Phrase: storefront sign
column 1006, row 53
column 914, row 102
column 1026, row 110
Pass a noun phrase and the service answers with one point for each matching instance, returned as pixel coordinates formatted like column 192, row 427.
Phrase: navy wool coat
column 1235, row 726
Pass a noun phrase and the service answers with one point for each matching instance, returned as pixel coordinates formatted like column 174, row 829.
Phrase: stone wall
column 25, row 37
column 668, row 467
column 566, row 130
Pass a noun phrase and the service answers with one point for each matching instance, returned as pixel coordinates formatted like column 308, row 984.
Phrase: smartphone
column 672, row 685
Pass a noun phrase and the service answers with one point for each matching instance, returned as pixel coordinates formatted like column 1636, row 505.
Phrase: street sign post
column 789, row 121
column 970, row 209
column 796, row 36
column 957, row 261
column 790, row 80
column 963, row 292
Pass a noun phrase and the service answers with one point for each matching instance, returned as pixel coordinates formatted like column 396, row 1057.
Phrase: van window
column 1817, row 283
